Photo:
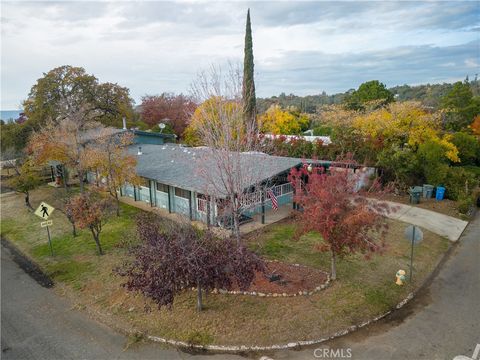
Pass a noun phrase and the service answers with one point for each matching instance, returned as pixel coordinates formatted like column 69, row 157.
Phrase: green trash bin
column 427, row 191
column 415, row 194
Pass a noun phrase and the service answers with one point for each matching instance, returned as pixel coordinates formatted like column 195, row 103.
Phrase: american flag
column 272, row 196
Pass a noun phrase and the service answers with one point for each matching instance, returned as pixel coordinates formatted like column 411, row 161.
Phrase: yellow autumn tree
column 405, row 123
column 210, row 116
column 283, row 122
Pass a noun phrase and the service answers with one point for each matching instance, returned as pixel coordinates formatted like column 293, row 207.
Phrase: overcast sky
column 299, row 47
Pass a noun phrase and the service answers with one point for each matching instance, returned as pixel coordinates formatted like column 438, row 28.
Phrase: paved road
column 37, row 324
column 442, row 322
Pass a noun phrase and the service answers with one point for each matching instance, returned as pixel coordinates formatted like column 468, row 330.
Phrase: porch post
column 208, row 211
column 169, row 199
column 191, row 201
column 150, row 185
column 263, row 206
column 293, row 201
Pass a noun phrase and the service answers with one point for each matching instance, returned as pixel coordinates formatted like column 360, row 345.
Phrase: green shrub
column 465, row 202
column 468, row 148
column 459, row 183
column 322, row 130
column 475, row 170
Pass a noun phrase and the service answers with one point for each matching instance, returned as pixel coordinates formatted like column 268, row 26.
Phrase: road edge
column 27, row 264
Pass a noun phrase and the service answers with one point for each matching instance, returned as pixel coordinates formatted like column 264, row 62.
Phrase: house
column 187, row 181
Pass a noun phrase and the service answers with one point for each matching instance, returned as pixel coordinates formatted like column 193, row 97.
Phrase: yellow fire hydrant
column 400, row 277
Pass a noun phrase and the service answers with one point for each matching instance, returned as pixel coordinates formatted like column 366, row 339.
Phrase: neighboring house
column 148, row 137
column 58, row 171
column 326, row 140
column 139, row 136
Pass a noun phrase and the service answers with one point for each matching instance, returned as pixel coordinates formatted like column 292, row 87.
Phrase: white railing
column 251, row 199
column 201, row 205
column 255, row 198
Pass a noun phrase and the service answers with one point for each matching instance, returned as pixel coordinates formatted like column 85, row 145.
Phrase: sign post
column 44, row 211
column 414, row 235
column 49, row 241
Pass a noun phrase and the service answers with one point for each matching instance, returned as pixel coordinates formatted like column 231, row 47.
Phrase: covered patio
column 271, row 216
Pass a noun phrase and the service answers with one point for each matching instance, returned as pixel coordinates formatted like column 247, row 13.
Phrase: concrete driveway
column 437, row 223
column 442, row 322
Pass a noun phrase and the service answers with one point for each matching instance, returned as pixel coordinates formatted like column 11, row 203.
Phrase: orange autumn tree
column 475, row 126
column 332, row 205
column 113, row 165
column 64, row 141
column 90, row 210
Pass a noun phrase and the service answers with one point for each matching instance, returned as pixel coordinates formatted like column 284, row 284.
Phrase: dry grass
column 364, row 288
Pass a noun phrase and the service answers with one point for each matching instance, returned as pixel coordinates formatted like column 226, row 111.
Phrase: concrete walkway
column 437, row 223
column 441, row 322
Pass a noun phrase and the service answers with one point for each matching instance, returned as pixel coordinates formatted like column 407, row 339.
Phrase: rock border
column 260, row 294
column 298, row 344
column 290, row 345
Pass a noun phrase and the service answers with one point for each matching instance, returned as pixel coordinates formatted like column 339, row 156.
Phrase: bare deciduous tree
column 231, row 138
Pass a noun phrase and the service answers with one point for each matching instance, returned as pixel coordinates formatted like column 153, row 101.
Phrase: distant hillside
column 9, row 115
column 429, row 95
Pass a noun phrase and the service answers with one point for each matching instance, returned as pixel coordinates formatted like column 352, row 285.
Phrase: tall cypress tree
column 248, row 91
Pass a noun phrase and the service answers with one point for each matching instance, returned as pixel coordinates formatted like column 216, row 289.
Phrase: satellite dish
column 161, row 126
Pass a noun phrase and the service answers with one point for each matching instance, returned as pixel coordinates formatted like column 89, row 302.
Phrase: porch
column 271, row 216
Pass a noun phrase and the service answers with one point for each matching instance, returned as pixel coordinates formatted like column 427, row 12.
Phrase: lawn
column 363, row 289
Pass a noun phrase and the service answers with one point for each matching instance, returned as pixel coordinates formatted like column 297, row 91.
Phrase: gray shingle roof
column 183, row 167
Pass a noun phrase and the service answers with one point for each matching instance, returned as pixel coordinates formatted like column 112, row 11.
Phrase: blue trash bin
column 439, row 193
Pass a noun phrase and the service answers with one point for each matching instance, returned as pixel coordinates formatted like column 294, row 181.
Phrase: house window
column 162, row 187
column 182, row 193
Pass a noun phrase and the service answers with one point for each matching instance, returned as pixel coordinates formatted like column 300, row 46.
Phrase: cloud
column 300, row 47
column 312, row 72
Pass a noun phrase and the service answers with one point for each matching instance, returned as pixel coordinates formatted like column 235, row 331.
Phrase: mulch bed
column 292, row 279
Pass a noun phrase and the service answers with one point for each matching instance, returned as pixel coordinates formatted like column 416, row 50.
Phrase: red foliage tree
column 331, row 204
column 178, row 109
column 90, row 210
column 173, row 258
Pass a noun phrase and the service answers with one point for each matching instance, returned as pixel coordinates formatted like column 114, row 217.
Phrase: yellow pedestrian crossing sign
column 44, row 210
